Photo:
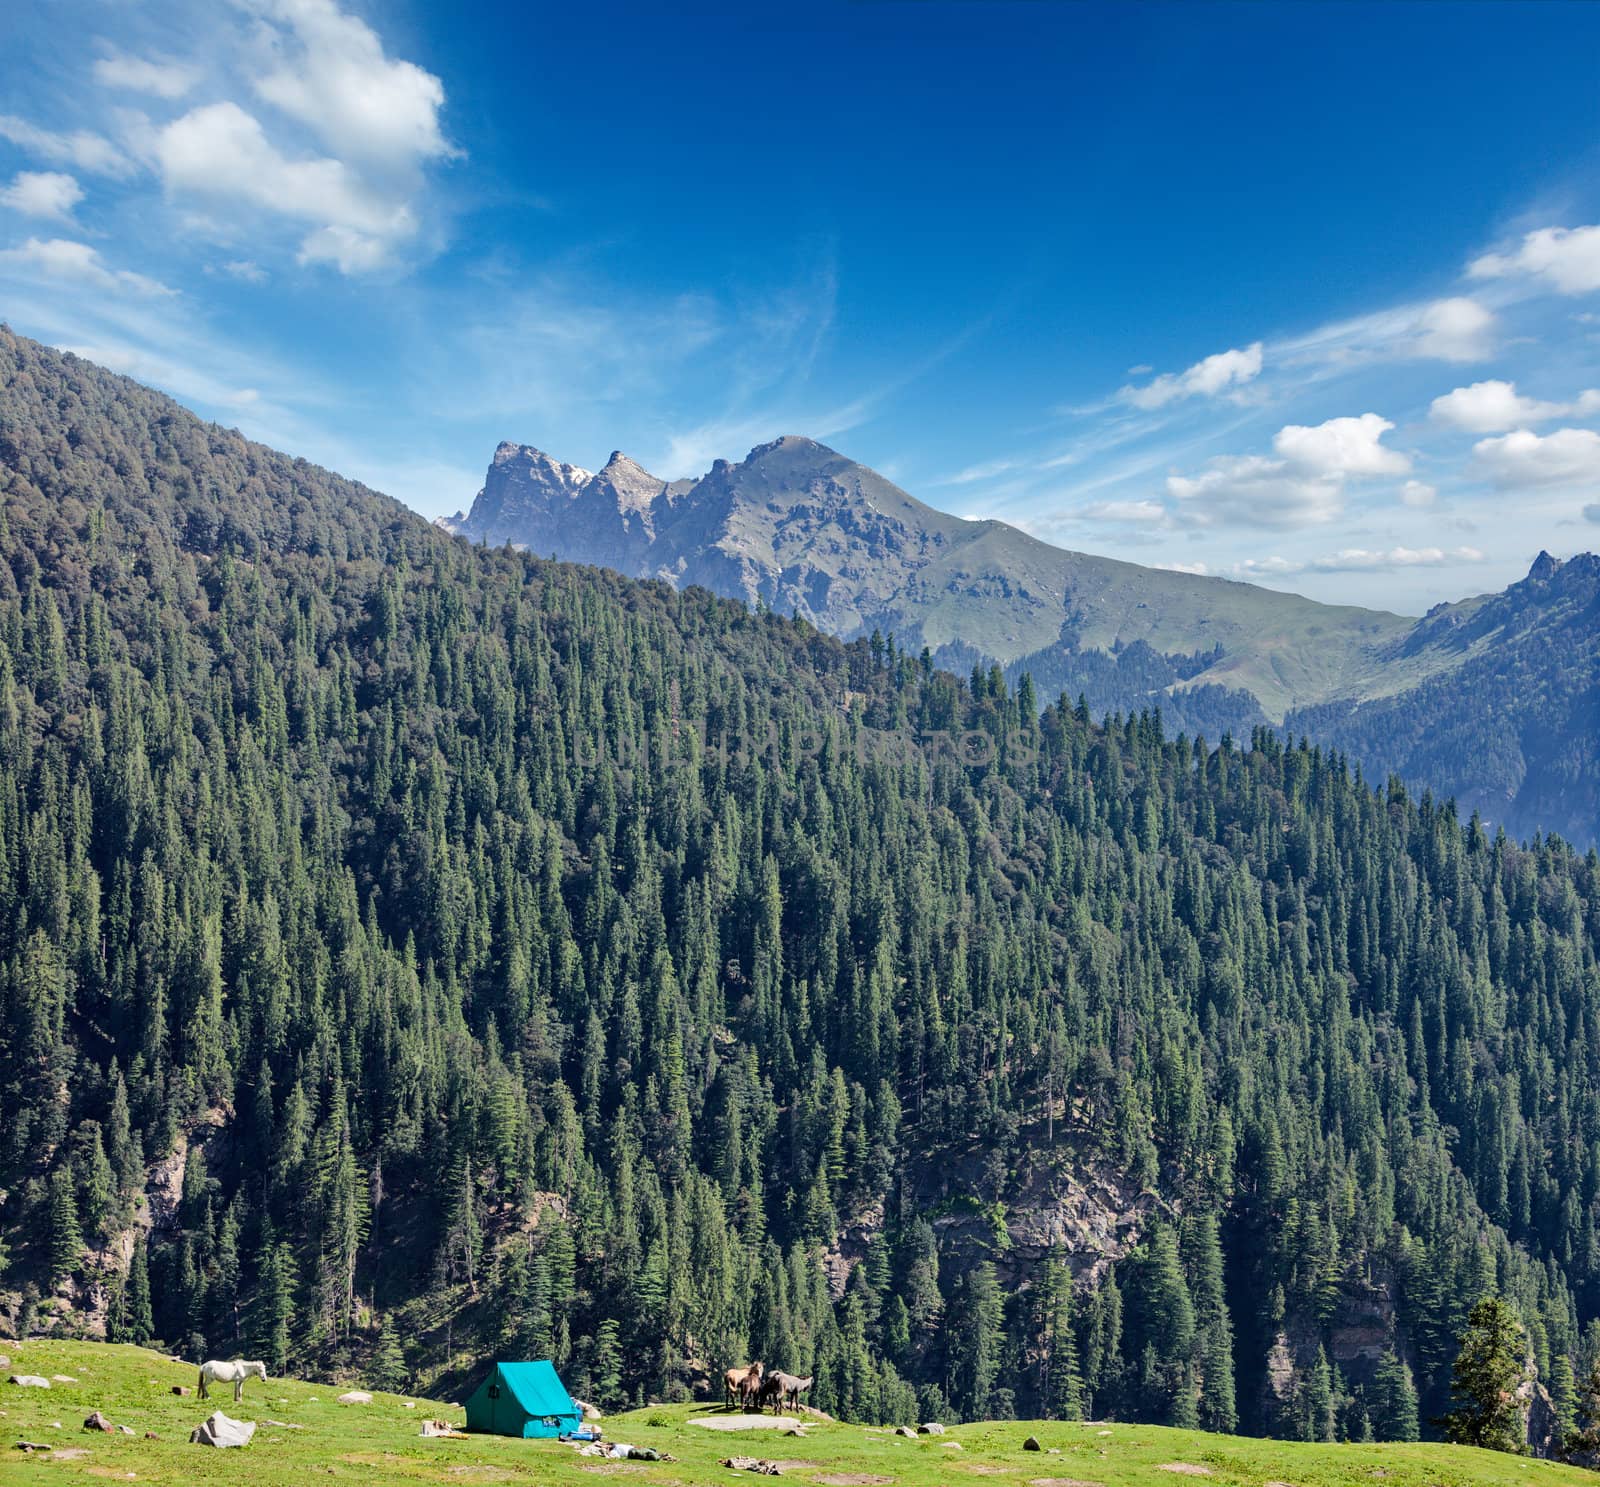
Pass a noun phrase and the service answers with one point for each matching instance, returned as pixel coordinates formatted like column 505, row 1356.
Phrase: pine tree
column 1162, row 1325
column 1488, row 1370
column 387, row 1370
column 1563, row 1398
column 608, row 1364
column 1213, row 1349
column 1394, row 1416
column 1100, row 1350
column 1061, row 1389
column 1318, row 1418
column 138, row 1325
column 274, row 1309
column 66, row 1238
column 973, row 1341
column 1582, row 1444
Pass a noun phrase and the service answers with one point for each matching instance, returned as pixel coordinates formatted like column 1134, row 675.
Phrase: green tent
column 524, row 1399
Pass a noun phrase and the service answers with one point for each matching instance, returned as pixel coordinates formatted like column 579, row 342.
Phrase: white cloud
column 164, row 79
column 1267, row 568
column 1490, row 407
column 1215, row 374
column 1362, row 560
column 1303, row 486
column 1567, row 258
column 331, row 73
column 376, row 118
column 81, row 148
column 244, row 269
column 1418, row 493
column 61, row 258
column 1359, row 560
column 1341, row 447
column 1521, row 458
column 1592, row 513
column 42, row 193
column 1256, row 491
column 354, row 252
column 1458, row 329
column 1195, row 570
column 222, row 152
column 1137, row 512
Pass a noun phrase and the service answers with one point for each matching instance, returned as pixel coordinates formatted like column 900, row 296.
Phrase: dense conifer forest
column 413, row 953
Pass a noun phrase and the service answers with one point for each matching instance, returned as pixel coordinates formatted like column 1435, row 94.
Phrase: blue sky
column 1303, row 294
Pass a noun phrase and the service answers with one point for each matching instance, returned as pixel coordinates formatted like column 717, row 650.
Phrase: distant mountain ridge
column 804, row 530
column 1512, row 727
column 807, row 531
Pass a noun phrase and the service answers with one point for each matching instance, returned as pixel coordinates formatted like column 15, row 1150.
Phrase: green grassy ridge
column 380, row 1443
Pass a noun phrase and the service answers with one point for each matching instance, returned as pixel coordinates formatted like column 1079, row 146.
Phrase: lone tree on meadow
column 1488, row 1371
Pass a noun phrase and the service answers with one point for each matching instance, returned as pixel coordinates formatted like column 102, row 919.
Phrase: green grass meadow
column 380, row 1443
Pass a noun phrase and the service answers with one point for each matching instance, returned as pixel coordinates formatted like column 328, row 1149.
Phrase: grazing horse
column 793, row 1388
column 740, row 1383
column 235, row 1373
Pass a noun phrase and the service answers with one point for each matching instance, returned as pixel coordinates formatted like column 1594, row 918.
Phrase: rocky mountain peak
column 628, row 483
column 791, row 444
column 541, row 466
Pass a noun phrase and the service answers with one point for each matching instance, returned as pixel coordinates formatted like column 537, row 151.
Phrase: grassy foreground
column 380, row 1442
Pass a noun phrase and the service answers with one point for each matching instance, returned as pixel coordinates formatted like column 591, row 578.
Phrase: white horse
column 235, row 1373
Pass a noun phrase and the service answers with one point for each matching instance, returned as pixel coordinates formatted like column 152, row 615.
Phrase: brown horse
column 740, row 1383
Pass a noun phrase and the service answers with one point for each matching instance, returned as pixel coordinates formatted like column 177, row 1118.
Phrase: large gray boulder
column 219, row 1430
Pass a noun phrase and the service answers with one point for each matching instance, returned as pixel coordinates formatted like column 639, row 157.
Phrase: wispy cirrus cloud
column 81, row 148
column 154, row 75
column 1455, row 329
column 77, row 263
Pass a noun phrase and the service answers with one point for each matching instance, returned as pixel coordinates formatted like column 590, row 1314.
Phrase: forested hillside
column 412, row 952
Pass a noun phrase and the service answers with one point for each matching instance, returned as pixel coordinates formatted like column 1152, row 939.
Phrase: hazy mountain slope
column 807, row 531
column 1509, row 720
